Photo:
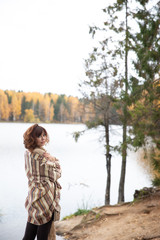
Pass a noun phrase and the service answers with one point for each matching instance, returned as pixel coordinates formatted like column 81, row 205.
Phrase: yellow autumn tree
column 15, row 107
column 74, row 106
column 4, row 107
column 29, row 115
column 45, row 112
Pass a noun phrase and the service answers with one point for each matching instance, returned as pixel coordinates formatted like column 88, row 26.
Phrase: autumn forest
column 37, row 107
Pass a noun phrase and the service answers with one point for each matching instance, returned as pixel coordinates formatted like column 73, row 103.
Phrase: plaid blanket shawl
column 43, row 189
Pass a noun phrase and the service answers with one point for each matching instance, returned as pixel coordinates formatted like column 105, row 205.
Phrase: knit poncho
column 43, row 189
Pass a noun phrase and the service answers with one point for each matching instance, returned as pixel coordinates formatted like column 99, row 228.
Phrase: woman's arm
column 51, row 160
column 54, row 167
column 41, row 168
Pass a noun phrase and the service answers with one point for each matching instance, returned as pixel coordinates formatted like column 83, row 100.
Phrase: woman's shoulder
column 27, row 152
column 40, row 151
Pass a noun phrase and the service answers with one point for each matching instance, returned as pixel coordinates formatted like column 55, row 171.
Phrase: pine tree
column 146, row 84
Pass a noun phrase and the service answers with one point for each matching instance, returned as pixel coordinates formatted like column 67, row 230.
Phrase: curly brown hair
column 31, row 134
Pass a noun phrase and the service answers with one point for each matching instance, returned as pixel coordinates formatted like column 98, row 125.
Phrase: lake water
column 84, row 172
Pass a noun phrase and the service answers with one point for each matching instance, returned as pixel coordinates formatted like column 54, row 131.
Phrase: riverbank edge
column 135, row 219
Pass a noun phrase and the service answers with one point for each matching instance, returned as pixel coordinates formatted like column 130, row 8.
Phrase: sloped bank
column 137, row 220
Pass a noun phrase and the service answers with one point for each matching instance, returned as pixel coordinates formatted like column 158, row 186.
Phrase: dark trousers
column 41, row 231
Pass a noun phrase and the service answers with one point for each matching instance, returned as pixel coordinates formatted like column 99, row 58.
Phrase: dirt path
column 131, row 221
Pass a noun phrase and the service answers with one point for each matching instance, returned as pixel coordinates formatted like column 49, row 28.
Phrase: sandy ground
column 139, row 220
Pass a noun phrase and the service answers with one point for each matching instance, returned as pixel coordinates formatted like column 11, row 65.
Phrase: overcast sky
column 43, row 43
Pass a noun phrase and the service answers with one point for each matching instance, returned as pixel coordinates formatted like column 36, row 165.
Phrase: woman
column 42, row 170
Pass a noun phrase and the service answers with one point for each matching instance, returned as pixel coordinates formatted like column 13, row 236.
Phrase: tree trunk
column 108, row 184
column 108, row 162
column 123, row 167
